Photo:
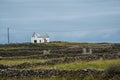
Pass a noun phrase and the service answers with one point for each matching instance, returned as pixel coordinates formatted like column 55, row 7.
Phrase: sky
column 92, row 21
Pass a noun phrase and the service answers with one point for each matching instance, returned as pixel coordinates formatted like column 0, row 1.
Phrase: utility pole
column 8, row 35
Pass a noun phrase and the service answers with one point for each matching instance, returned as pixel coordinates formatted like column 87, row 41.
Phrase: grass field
column 19, row 61
column 97, row 64
column 13, row 54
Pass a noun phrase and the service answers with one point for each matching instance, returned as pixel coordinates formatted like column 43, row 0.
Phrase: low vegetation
column 97, row 64
column 19, row 61
column 111, row 73
column 27, row 53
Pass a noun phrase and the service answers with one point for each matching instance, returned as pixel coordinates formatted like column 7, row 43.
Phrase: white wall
column 39, row 40
column 48, row 39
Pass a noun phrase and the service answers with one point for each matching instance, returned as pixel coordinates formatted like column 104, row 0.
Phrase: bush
column 112, row 72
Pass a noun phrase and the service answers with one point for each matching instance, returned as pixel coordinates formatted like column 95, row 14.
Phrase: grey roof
column 40, row 36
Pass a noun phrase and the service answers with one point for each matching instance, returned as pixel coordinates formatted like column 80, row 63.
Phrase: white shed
column 37, row 38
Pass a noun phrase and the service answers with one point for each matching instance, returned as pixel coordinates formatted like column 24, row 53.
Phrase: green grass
column 49, row 45
column 97, row 64
column 19, row 61
column 79, row 44
column 11, row 48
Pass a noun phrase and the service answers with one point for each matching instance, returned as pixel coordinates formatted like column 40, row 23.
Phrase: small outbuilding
column 37, row 38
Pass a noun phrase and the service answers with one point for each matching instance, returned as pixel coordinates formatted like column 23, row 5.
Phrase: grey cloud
column 60, row 18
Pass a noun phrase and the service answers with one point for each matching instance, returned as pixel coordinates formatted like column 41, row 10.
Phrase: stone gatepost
column 90, row 51
column 84, row 51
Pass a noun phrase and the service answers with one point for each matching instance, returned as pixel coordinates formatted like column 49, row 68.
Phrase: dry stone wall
column 46, row 72
column 60, row 61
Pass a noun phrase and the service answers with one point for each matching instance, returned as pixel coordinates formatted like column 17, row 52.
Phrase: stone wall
column 61, row 60
column 38, row 50
column 46, row 72
column 51, row 62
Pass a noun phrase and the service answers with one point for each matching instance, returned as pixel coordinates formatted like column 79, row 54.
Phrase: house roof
column 40, row 36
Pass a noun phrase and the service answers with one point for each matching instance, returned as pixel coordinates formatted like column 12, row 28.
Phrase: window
column 40, row 41
column 35, row 41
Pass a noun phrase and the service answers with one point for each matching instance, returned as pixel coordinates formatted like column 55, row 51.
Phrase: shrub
column 112, row 72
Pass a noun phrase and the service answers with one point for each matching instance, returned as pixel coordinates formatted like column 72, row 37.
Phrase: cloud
column 67, row 20
column 87, row 36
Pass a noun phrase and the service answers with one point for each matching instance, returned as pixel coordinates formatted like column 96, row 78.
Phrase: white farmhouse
column 37, row 38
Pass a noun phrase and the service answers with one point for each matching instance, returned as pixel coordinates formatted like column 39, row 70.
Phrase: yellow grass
column 98, row 64
column 19, row 61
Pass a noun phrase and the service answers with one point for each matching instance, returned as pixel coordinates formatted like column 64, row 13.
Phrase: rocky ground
column 54, row 53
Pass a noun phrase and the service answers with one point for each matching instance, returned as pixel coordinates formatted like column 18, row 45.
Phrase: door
column 35, row 41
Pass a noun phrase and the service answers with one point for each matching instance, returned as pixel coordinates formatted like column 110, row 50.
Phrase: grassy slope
column 19, row 61
column 79, row 44
column 98, row 64
column 51, row 44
